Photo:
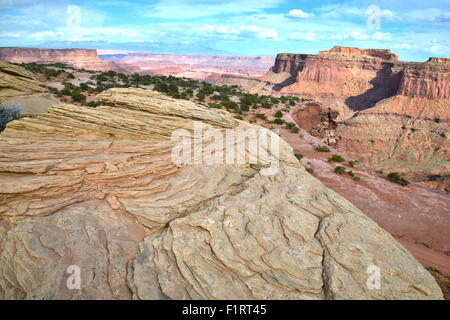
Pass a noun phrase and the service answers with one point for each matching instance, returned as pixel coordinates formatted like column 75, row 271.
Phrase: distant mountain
column 148, row 46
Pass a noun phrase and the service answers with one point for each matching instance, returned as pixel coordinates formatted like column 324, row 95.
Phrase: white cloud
column 403, row 46
column 381, row 36
column 309, row 36
column 298, row 14
column 218, row 29
column 46, row 34
column 359, row 36
column 10, row 35
column 339, row 36
column 268, row 33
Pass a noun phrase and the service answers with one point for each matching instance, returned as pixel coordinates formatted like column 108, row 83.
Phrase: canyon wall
column 78, row 58
column 387, row 113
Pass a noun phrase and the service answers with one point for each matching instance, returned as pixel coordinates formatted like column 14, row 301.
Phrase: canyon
column 388, row 114
column 412, row 215
column 204, row 67
column 98, row 188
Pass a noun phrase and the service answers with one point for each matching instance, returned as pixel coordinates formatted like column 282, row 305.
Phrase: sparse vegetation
column 310, row 170
column 397, row 178
column 339, row 170
column 299, row 156
column 322, row 149
column 352, row 163
column 380, row 171
column 426, row 245
column 336, row 158
column 9, row 113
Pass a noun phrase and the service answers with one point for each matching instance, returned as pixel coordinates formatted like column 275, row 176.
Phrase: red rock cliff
column 79, row 58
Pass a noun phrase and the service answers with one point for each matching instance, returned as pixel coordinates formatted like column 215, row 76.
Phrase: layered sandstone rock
column 18, row 85
column 98, row 189
column 78, row 58
column 389, row 114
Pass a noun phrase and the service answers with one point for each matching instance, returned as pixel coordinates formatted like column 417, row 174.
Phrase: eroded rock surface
column 18, row 85
column 97, row 188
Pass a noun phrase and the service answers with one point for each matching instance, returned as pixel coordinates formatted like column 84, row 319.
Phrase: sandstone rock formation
column 386, row 113
column 78, row 58
column 96, row 188
column 22, row 86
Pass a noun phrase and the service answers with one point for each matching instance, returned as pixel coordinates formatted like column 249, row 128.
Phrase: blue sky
column 414, row 29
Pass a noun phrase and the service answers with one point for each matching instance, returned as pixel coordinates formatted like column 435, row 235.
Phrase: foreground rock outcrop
column 98, row 189
column 17, row 85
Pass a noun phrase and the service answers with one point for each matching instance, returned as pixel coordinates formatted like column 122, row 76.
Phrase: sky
column 416, row 30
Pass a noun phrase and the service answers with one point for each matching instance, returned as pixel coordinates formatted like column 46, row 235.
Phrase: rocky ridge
column 97, row 188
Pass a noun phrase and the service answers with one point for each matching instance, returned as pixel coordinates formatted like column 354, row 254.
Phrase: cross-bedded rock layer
column 97, row 188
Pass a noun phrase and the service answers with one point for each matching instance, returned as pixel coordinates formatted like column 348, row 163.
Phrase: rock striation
column 18, row 85
column 97, row 189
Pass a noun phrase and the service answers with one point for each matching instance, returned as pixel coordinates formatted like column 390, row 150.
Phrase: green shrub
column 261, row 116
column 278, row 121
column 299, row 156
column 426, row 245
column 380, row 171
column 239, row 117
column 339, row 169
column 395, row 177
column 214, row 105
column 310, row 170
column 352, row 163
column 336, row 158
column 356, row 178
column 322, row 149
column 351, row 173
column 278, row 114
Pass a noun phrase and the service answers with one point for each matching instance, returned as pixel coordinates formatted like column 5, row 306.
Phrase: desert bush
column 397, row 178
column 336, row 158
column 339, row 169
column 278, row 121
column 310, row 170
column 299, row 156
column 214, row 105
column 351, row 173
column 380, row 171
column 261, row 116
column 322, row 149
column 278, row 114
column 9, row 113
column 352, row 163
column 356, row 178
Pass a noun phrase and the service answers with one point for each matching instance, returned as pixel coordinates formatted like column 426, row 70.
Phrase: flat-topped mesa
column 384, row 54
column 43, row 55
column 78, row 58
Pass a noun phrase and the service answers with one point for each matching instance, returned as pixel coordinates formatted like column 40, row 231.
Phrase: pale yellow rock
column 153, row 229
